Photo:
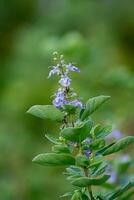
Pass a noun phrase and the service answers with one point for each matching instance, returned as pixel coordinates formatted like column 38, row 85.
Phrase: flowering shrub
column 81, row 145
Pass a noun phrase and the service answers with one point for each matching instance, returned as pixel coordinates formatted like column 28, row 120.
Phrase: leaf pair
column 52, row 113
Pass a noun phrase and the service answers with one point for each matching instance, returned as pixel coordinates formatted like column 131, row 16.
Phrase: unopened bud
column 55, row 53
column 61, row 57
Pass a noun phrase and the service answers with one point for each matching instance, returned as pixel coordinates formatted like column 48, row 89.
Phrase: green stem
column 89, row 188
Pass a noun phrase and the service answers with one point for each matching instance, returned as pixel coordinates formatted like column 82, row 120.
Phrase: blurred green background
column 98, row 35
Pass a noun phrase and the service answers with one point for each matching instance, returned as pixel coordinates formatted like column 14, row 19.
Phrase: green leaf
column 99, row 170
column 67, row 194
column 127, row 195
column 77, row 134
column 101, row 151
column 73, row 177
column 60, row 149
column 93, row 104
column 53, row 159
column 97, row 144
column 85, row 181
column 81, row 160
column 119, row 145
column 70, row 109
column 51, row 139
column 119, row 191
column 46, row 112
column 73, row 170
column 76, row 195
column 103, row 131
column 84, row 197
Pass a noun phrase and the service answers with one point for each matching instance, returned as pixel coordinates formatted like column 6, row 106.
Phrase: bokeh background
column 98, row 35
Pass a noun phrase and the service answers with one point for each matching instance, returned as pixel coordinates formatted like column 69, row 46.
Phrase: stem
column 89, row 187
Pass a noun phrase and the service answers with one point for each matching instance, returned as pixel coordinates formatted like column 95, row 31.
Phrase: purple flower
column 55, row 70
column 65, row 81
column 70, row 67
column 115, row 134
column 113, row 177
column 57, row 102
column 87, row 141
column 125, row 158
column 87, row 153
column 113, row 174
column 60, row 94
column 76, row 103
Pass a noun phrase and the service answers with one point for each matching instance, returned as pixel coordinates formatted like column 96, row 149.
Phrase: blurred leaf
column 46, row 112
column 67, row 194
column 82, row 160
column 93, row 104
column 97, row 144
column 99, row 170
column 105, row 148
column 84, row 197
column 76, row 195
column 60, row 149
column 127, row 195
column 70, row 109
column 77, row 134
column 71, row 170
column 119, row 145
column 119, row 191
column 85, row 181
column 103, row 131
column 53, row 159
column 51, row 139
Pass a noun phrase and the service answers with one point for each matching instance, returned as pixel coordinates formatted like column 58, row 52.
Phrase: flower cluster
column 64, row 95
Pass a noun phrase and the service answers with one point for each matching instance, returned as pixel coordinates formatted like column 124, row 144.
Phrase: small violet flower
column 113, row 174
column 70, row 67
column 75, row 103
column 125, row 158
column 113, row 177
column 87, row 141
column 65, row 81
column 55, row 70
column 58, row 101
column 60, row 94
column 115, row 134
column 87, row 153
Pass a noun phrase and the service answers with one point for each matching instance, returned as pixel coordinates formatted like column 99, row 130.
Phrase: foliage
column 81, row 145
column 87, row 32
